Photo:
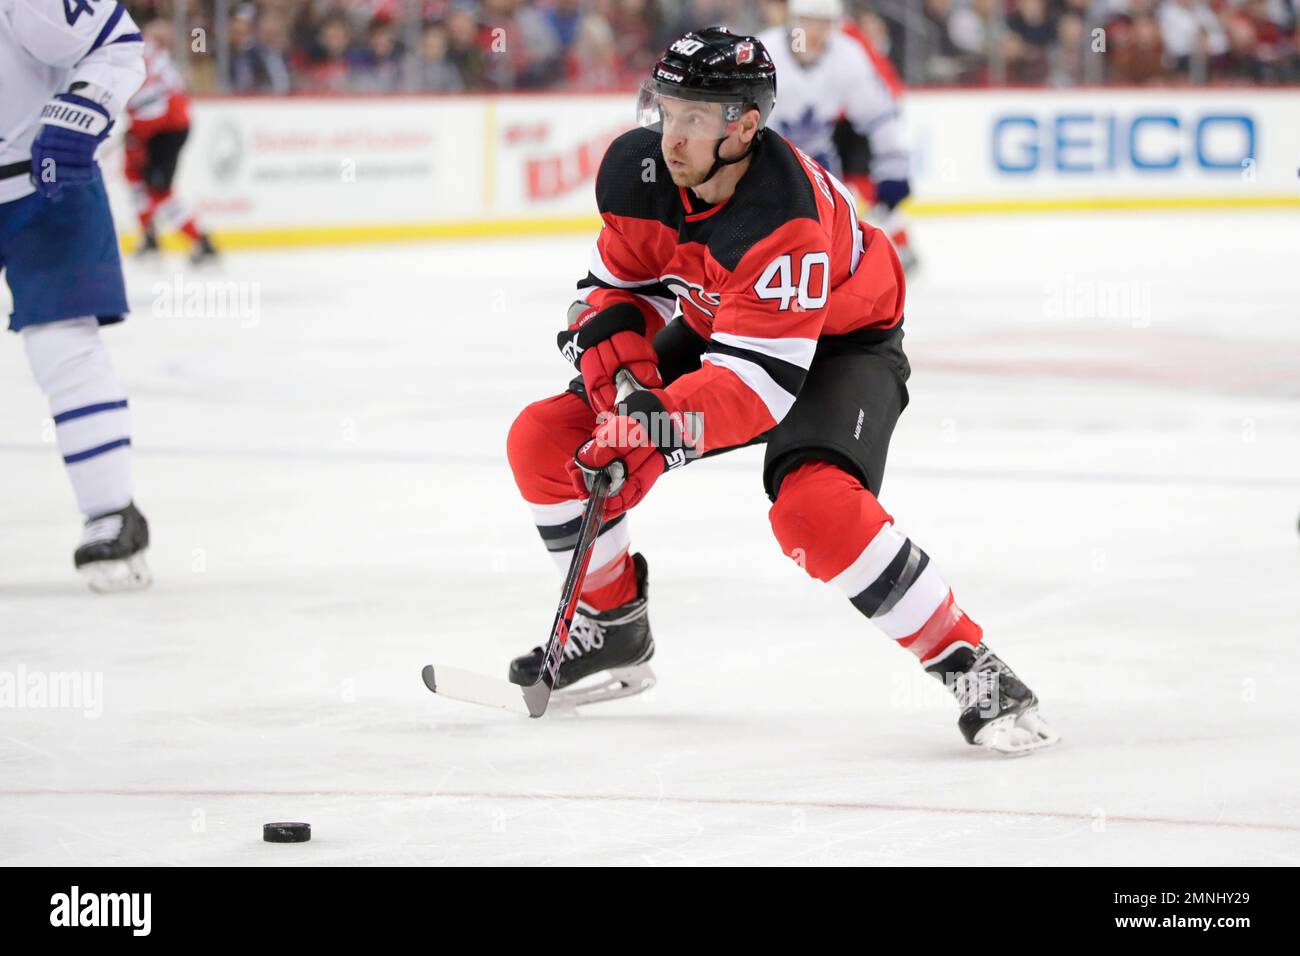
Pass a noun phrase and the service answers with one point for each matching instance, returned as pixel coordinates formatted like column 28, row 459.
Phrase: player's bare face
column 690, row 132
column 809, row 38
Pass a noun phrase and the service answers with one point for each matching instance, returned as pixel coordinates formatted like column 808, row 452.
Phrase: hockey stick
column 532, row 699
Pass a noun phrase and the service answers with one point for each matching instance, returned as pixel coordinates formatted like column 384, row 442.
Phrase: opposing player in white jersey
column 67, row 68
column 827, row 75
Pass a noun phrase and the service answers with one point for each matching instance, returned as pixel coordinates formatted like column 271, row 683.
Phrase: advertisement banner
column 304, row 169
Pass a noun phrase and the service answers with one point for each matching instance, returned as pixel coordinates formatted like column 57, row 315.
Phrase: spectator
column 524, row 52
column 276, row 46
column 639, row 35
column 592, row 62
column 258, row 62
column 739, row 16
column 1031, row 32
column 1033, row 23
column 970, row 29
column 376, row 67
column 565, row 19
column 463, row 49
column 1189, row 29
column 1070, row 51
column 273, row 54
column 327, row 69
column 940, row 58
column 437, row 74
column 1270, row 52
column 1138, row 58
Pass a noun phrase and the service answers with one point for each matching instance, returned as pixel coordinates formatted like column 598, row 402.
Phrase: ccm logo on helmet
column 667, row 75
column 744, row 53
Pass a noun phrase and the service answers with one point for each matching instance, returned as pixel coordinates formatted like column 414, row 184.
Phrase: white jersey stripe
column 859, row 244
column 777, row 399
column 601, row 272
column 666, row 306
column 795, row 351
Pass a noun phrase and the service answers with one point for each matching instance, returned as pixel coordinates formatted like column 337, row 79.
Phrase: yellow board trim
column 1097, row 203
column 396, row 232
column 515, row 228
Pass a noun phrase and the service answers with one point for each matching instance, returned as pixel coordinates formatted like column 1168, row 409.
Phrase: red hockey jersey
column 161, row 105
column 761, row 276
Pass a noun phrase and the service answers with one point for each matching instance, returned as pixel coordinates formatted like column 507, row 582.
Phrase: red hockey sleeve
column 625, row 269
column 764, row 335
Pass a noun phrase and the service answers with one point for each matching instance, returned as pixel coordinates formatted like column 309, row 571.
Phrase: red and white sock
column 611, row 579
column 837, row 530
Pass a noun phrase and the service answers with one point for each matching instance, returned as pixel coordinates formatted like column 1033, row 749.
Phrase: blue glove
column 891, row 192
column 63, row 153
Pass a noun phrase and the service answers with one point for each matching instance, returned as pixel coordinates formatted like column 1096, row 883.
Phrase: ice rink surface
column 1102, row 453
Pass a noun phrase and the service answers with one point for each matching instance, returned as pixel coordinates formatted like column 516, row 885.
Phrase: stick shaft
column 588, row 530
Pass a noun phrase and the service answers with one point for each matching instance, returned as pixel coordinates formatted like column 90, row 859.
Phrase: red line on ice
column 637, row 798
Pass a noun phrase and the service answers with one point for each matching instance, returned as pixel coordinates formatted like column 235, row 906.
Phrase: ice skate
column 997, row 710
column 111, row 553
column 148, row 250
column 204, row 252
column 615, row 644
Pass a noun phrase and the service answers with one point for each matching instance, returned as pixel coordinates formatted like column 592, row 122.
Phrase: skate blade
column 110, row 577
column 612, row 684
column 1017, row 734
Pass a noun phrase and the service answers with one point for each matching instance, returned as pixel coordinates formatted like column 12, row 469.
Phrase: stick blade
column 474, row 688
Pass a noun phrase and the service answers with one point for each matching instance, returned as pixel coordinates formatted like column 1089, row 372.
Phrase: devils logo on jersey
column 693, row 293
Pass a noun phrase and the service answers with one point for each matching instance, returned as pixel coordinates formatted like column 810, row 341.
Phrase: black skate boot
column 148, row 246
column 204, row 252
column 617, row 641
column 997, row 710
column 111, row 553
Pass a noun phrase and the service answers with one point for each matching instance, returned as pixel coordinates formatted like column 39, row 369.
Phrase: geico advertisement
column 1154, row 144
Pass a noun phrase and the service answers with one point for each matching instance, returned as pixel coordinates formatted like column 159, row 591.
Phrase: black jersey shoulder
column 634, row 181
column 774, row 190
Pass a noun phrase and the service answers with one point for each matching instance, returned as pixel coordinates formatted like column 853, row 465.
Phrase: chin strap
column 719, row 162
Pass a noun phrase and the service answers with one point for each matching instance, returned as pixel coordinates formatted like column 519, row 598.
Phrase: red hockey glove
column 604, row 341
column 646, row 437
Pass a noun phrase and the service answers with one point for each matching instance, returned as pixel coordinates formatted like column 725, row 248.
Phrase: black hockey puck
column 286, row 832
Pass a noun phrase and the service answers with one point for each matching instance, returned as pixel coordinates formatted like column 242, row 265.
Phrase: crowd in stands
column 452, row 46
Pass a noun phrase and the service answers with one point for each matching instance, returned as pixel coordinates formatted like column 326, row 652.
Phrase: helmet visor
column 675, row 117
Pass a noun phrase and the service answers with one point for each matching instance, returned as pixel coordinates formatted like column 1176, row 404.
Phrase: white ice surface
column 1111, row 488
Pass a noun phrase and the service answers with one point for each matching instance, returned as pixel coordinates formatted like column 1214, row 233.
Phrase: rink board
column 309, row 170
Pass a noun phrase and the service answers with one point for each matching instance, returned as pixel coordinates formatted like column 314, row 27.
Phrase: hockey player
column 790, row 333
column 67, row 67
column 829, row 84
column 160, row 124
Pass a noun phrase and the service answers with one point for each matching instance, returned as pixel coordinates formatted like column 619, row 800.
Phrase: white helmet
column 816, row 9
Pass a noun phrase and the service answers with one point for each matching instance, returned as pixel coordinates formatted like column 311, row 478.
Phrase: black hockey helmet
column 712, row 65
column 716, row 66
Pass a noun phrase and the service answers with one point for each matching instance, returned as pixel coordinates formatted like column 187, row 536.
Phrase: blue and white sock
column 91, row 419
